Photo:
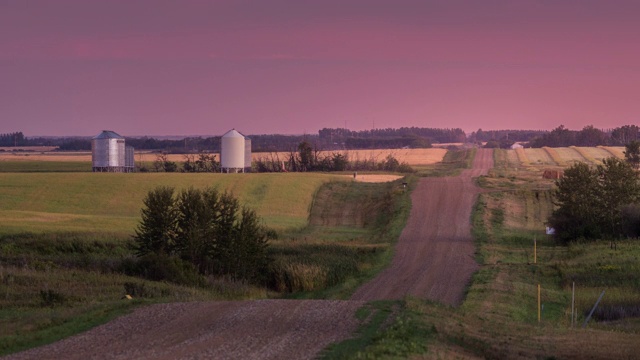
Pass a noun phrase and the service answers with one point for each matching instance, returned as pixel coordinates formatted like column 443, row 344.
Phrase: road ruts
column 434, row 256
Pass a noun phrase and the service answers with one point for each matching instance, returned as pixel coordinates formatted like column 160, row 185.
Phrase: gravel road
column 435, row 253
column 434, row 260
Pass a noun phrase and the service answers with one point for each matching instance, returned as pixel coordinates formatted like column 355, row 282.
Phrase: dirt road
column 435, row 254
column 261, row 329
column 434, row 259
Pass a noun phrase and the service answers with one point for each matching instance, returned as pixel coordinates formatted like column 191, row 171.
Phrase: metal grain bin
column 232, row 152
column 108, row 152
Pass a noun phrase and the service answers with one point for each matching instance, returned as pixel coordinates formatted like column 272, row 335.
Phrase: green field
column 109, row 202
column 65, row 244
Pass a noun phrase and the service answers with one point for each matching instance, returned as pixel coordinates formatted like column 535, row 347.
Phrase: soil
column 434, row 260
column 435, row 253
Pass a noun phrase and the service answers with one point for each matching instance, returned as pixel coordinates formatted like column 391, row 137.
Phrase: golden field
column 410, row 156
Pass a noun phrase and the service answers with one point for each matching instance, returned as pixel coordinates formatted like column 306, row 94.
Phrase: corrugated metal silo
column 108, row 152
column 232, row 151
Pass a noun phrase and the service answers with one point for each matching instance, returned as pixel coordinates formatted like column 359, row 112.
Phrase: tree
column 624, row 134
column 632, row 154
column 577, row 197
column 619, row 186
column 306, row 156
column 590, row 136
column 157, row 230
column 591, row 201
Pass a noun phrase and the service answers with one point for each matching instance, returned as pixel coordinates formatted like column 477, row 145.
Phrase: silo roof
column 232, row 133
column 108, row 134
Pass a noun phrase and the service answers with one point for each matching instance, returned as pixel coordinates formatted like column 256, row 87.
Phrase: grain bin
column 232, row 152
column 108, row 152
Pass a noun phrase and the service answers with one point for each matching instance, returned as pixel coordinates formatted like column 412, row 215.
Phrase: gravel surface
column 435, row 253
column 434, row 260
column 261, row 329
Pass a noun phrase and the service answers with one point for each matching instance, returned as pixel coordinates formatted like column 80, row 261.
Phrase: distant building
column 516, row 146
column 110, row 154
column 235, row 152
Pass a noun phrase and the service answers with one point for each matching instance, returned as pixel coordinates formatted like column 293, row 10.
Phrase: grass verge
column 390, row 329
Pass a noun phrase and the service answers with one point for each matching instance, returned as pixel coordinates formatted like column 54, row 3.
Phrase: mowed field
column 107, row 202
column 410, row 156
column 561, row 157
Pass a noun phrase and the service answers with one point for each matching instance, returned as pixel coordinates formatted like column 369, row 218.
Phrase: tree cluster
column 308, row 158
column 205, row 228
column 595, row 203
column 388, row 138
column 588, row 136
column 12, row 139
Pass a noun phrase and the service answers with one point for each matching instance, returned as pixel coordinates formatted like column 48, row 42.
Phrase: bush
column 161, row 267
column 51, row 298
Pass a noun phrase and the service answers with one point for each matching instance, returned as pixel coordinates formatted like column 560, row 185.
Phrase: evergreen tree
column 157, row 230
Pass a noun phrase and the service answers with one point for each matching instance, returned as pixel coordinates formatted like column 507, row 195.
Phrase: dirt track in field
column 434, row 260
column 435, row 254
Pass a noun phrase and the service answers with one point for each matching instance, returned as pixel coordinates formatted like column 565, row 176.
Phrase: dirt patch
column 434, row 255
column 375, row 178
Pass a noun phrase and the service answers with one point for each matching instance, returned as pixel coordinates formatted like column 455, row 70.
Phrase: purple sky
column 159, row 67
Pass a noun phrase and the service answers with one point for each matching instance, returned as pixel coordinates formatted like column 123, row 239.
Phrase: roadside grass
column 452, row 164
column 390, row 329
column 350, row 236
column 498, row 318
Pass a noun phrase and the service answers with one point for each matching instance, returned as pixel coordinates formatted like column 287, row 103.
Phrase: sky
column 196, row 67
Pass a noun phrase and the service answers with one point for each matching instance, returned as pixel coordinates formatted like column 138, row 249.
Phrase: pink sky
column 195, row 67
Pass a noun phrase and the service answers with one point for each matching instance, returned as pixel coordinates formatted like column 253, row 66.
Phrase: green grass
column 63, row 202
column 390, row 329
column 332, row 260
column 44, row 166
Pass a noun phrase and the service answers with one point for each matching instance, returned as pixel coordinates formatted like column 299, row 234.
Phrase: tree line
column 345, row 139
column 12, row 139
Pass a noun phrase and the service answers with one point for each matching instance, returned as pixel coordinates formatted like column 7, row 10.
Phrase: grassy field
column 65, row 244
column 104, row 202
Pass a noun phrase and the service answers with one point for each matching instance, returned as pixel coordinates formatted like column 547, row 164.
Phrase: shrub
column 51, row 298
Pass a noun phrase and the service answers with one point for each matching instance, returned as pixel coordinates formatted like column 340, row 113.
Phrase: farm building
column 110, row 154
column 235, row 152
